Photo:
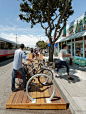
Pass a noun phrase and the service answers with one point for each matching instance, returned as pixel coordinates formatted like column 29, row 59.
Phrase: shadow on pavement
column 76, row 78
column 5, row 61
column 78, row 67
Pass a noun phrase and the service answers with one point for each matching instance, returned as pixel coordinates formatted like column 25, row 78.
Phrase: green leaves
column 53, row 13
column 42, row 44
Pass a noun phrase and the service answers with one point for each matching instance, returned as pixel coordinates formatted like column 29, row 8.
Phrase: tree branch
column 60, row 18
column 42, row 25
column 55, row 18
column 49, row 22
column 60, row 32
column 49, row 15
column 54, row 6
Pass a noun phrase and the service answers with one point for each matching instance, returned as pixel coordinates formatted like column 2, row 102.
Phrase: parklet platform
column 20, row 100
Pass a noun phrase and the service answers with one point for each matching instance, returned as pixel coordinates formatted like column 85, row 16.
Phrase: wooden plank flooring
column 20, row 99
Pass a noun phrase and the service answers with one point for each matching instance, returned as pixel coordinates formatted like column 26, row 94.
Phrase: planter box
column 30, row 56
column 76, row 60
column 41, row 57
column 82, row 62
column 79, row 61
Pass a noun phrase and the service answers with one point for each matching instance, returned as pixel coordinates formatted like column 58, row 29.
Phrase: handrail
column 34, row 100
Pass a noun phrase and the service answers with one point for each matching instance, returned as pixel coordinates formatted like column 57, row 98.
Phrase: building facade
column 75, row 39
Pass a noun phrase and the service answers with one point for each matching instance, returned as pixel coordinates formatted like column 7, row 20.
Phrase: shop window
column 79, row 47
column 85, row 45
column 69, row 42
column 72, row 40
column 69, row 49
column 59, row 45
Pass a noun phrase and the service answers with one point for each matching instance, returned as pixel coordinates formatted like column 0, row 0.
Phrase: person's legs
column 60, row 65
column 21, row 71
column 65, row 64
column 13, row 79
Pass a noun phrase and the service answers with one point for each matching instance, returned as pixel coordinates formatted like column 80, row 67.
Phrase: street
column 5, row 92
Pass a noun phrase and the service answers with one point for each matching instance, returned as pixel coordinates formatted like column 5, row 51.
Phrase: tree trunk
column 51, row 51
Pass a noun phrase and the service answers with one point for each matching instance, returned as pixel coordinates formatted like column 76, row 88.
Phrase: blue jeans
column 21, row 71
column 64, row 63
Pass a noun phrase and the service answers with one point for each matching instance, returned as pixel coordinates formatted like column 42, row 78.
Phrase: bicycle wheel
column 18, row 82
column 36, row 70
column 44, row 80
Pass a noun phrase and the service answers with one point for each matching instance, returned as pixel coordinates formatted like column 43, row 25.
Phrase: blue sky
column 10, row 24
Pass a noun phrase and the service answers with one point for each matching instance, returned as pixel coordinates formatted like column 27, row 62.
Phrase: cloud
column 17, row 29
column 9, row 21
column 17, row 19
column 26, row 35
column 28, row 40
column 7, row 28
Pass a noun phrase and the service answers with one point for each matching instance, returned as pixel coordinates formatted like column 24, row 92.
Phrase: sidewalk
column 75, row 91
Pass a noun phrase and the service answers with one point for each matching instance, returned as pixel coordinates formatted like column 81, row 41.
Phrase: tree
column 42, row 44
column 51, row 14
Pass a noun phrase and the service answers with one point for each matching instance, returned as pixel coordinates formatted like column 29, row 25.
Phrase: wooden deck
column 20, row 100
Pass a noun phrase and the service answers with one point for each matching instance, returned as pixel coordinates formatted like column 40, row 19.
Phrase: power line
column 4, row 30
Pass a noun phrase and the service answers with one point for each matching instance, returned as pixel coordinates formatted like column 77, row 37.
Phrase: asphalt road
column 5, row 92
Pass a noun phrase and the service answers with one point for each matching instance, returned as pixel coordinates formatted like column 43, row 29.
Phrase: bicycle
column 35, row 64
column 43, row 70
column 35, row 70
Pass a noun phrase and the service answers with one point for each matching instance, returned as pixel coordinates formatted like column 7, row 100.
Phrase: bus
column 7, row 48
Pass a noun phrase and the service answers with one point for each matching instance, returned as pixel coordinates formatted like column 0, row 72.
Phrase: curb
column 68, row 99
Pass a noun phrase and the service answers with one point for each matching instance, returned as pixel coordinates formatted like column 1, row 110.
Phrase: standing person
column 40, row 51
column 31, row 50
column 34, row 51
column 56, row 51
column 35, row 54
column 17, row 66
column 63, row 56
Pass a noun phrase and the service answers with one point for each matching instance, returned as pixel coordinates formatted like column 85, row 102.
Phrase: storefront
column 75, row 39
column 76, row 45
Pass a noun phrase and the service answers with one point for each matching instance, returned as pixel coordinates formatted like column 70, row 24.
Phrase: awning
column 77, row 35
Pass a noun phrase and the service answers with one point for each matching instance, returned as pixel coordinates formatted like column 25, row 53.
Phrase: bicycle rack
column 48, row 100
